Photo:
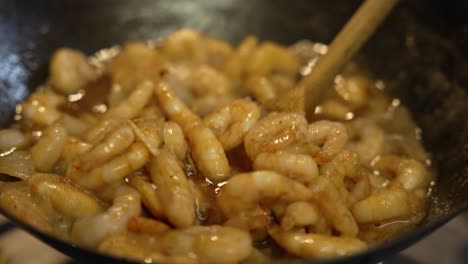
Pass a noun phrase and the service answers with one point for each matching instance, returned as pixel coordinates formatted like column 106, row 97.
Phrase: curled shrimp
column 261, row 89
column 72, row 149
column 207, row 104
column 140, row 248
column 112, row 145
column 206, row 150
column 270, row 57
column 47, row 151
column 234, row 67
column 231, row 123
column 409, row 174
column 89, row 231
column 344, row 168
column 370, row 139
column 65, row 197
column 115, row 170
column 391, row 204
column 174, row 140
column 207, row 80
column 41, row 108
column 16, row 199
column 244, row 194
column 332, row 135
column 149, row 197
column 174, row 193
column 299, row 214
column 333, row 207
column 210, row 244
column 312, row 246
column 134, row 104
column 274, row 132
column 299, row 167
column 70, row 70
column 136, row 62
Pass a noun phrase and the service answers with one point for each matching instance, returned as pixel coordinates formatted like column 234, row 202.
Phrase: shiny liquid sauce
column 190, row 150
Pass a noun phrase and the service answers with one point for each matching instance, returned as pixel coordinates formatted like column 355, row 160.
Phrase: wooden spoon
column 348, row 41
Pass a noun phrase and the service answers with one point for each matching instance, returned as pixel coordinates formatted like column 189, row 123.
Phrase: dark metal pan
column 421, row 51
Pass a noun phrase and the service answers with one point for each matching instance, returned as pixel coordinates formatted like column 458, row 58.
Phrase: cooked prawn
column 299, row 214
column 370, row 139
column 206, row 150
column 65, row 197
column 274, row 132
column 115, row 170
column 345, row 167
column 177, row 200
column 245, row 194
column 333, row 136
column 89, row 231
column 174, row 140
column 149, row 195
column 299, row 167
column 231, row 123
column 70, row 70
column 333, row 207
column 46, row 152
column 308, row 245
column 133, row 105
column 210, row 244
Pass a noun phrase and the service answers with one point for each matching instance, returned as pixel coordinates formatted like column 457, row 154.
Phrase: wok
column 420, row 52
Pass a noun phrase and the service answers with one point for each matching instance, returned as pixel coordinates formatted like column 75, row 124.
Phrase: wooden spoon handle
column 354, row 34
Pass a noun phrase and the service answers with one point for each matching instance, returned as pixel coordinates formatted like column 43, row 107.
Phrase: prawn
column 370, row 139
column 47, row 151
column 206, row 150
column 64, row 196
column 391, row 204
column 261, row 89
column 70, row 70
column 41, row 108
column 140, row 248
column 206, row 80
column 299, row 214
column 274, row 132
column 269, row 58
column 345, row 167
column 231, row 123
column 149, row 195
column 333, row 207
column 174, row 193
column 409, row 174
column 112, row 145
column 308, row 245
column 210, row 244
column 299, row 167
column 115, row 170
column 134, row 104
column 174, row 140
column 332, row 135
column 89, row 231
column 243, row 195
column 72, row 149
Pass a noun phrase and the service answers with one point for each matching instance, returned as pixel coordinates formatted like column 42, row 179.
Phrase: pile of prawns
column 148, row 172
